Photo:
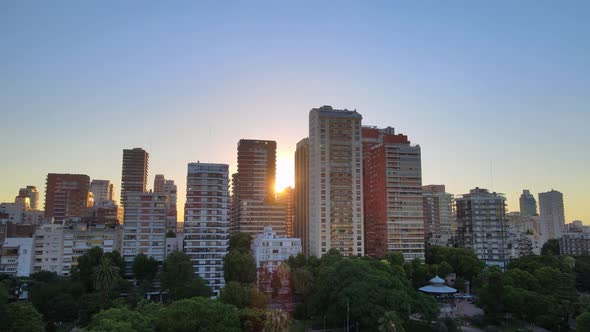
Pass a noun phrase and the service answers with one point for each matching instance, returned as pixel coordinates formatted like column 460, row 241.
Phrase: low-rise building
column 270, row 250
column 16, row 257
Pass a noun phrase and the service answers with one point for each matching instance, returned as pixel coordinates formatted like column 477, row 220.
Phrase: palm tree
column 390, row 322
column 105, row 275
column 276, row 321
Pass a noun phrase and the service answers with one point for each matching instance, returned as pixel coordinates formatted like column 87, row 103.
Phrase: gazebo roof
column 437, row 286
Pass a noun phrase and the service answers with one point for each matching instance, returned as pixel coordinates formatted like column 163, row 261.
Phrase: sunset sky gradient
column 498, row 83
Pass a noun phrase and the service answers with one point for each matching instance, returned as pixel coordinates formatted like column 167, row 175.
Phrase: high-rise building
column 286, row 198
column 165, row 186
column 253, row 197
column 159, row 182
column 103, row 191
column 256, row 170
column 335, row 182
column 255, row 215
column 134, row 173
column 206, row 225
column 438, row 215
column 552, row 214
column 32, row 193
column 392, row 183
column 301, row 193
column 482, row 225
column 528, row 204
column 145, row 226
column 67, row 196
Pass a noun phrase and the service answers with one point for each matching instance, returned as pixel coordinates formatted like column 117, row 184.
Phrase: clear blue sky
column 470, row 81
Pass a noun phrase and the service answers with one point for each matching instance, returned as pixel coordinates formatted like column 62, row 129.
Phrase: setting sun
column 285, row 170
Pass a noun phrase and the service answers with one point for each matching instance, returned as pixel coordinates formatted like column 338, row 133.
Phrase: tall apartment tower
column 392, row 184
column 256, row 177
column 552, row 214
column 286, row 198
column 206, row 215
column 32, row 193
column 335, row 182
column 135, row 172
column 165, row 186
column 438, row 215
column 159, row 182
column 301, row 193
column 528, row 204
column 482, row 225
column 66, row 196
column 145, row 226
column 103, row 191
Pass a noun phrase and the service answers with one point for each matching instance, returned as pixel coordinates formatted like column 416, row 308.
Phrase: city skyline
column 468, row 97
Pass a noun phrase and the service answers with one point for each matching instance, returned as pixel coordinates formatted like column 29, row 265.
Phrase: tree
column 275, row 283
column 170, row 234
column 179, row 280
column 444, row 269
column 239, row 266
column 243, row 296
column 550, row 248
column 198, row 314
column 492, row 294
column 252, row 319
column 240, row 242
column 276, row 321
column 390, row 322
column 105, row 276
column 124, row 317
column 395, row 258
column 145, row 268
column 583, row 322
column 22, row 317
column 85, row 268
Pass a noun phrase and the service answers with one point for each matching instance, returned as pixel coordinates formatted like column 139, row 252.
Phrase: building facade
column 134, row 172
column 528, row 204
column 552, row 214
column 145, row 226
column 32, row 193
column 286, row 198
column 271, row 250
column 67, row 196
column 393, row 204
column 16, row 257
column 103, row 192
column 301, row 194
column 335, row 182
column 206, row 225
column 482, row 225
column 438, row 215
column 256, row 215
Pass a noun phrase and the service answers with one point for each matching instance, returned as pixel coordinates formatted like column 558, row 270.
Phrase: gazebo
column 437, row 287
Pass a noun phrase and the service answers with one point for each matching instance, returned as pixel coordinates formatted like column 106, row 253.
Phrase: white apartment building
column 144, row 230
column 270, row 250
column 206, row 225
column 552, row 214
column 335, row 182
column 16, row 257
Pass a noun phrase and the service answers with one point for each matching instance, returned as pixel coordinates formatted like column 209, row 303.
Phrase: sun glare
column 285, row 172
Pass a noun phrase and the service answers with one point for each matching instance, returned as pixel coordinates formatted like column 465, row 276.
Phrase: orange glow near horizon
column 285, row 170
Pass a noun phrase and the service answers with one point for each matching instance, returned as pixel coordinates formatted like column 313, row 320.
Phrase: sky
column 496, row 93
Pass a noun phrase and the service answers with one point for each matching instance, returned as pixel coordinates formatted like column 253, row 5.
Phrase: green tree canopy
column 550, row 248
column 243, row 295
column 145, row 268
column 239, row 266
column 198, row 314
column 583, row 322
column 124, row 317
column 179, row 279
column 240, row 242
column 22, row 317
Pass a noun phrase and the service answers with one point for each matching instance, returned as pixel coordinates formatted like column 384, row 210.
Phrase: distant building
column 145, row 226
column 32, row 194
column 335, row 182
column 256, row 170
column 159, row 182
column 16, row 257
column 481, row 222
column 301, row 194
column 67, row 196
column 270, row 250
column 14, row 212
column 256, row 215
column 286, row 198
column 103, row 191
column 528, row 204
column 134, row 173
column 438, row 215
column 552, row 214
column 575, row 239
column 165, row 186
column 206, row 225
column 393, row 203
